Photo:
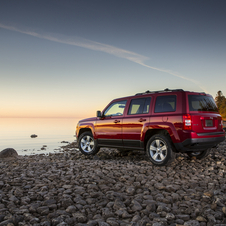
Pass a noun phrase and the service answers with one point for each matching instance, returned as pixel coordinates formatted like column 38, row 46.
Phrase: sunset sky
column 69, row 58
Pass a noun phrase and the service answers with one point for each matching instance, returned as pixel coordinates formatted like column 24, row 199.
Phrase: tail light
column 187, row 122
column 222, row 123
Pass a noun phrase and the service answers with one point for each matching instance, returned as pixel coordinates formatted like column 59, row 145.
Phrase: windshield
column 201, row 103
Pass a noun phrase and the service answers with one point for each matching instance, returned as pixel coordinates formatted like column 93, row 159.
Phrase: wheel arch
column 83, row 130
column 152, row 132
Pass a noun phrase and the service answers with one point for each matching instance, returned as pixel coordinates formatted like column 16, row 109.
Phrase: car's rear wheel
column 87, row 144
column 159, row 150
column 199, row 154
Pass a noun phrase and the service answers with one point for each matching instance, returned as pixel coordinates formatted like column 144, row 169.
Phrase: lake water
column 15, row 133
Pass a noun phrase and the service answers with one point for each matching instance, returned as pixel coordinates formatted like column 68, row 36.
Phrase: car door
column 135, row 119
column 109, row 126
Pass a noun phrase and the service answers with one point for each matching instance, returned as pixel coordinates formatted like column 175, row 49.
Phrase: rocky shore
column 112, row 188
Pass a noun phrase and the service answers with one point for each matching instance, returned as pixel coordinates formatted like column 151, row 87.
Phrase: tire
column 199, row 154
column 87, row 145
column 159, row 150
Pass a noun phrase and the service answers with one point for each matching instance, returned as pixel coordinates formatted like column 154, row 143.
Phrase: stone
column 192, row 223
column 114, row 190
column 112, row 222
column 8, row 153
column 131, row 190
column 136, row 206
column 101, row 223
column 118, row 204
column 211, row 219
column 201, row 219
column 80, row 217
column 170, row 216
column 92, row 223
column 71, row 209
column 43, row 210
column 183, row 217
column 33, row 136
column 151, row 207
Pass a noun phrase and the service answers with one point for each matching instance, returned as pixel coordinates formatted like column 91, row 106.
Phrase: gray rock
column 112, row 222
column 118, row 204
column 80, row 217
column 192, row 223
column 113, row 189
column 136, row 206
column 8, row 153
column 43, row 210
column 71, row 209
column 183, row 217
column 170, row 216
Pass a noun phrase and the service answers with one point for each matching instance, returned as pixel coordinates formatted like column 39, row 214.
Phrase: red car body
column 192, row 121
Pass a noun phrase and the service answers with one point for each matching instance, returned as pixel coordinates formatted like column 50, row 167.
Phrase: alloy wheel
column 87, row 144
column 158, row 150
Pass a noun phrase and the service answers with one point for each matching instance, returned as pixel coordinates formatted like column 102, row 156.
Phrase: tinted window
column 201, row 103
column 139, row 106
column 115, row 109
column 165, row 103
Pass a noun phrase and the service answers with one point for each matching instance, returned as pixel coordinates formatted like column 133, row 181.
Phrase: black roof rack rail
column 160, row 91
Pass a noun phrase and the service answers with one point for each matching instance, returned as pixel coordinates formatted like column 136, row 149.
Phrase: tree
column 221, row 103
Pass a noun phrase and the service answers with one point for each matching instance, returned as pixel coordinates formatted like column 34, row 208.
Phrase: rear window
column 201, row 103
column 165, row 103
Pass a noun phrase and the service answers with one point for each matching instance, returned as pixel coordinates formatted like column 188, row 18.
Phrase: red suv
column 160, row 122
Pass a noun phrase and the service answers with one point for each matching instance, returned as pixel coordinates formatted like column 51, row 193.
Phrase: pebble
column 112, row 189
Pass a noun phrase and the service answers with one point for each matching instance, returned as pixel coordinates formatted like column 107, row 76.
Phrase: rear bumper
column 198, row 144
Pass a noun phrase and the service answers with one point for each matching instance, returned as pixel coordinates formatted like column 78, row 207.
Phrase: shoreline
column 112, row 188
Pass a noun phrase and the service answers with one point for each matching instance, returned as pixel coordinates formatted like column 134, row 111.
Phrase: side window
column 165, row 103
column 115, row 109
column 139, row 106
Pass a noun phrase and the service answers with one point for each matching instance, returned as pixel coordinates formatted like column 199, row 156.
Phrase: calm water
column 15, row 133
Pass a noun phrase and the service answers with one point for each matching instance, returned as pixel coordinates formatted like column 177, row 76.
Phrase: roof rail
column 160, row 91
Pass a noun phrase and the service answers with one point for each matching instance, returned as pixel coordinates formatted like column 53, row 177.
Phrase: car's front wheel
column 87, row 144
column 159, row 150
column 199, row 154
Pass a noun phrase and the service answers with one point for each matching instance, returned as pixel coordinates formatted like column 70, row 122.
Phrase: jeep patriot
column 161, row 123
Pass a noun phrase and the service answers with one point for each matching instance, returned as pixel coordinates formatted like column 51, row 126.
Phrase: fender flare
column 169, row 127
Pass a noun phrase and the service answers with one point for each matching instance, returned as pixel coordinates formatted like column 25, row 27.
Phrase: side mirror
column 99, row 115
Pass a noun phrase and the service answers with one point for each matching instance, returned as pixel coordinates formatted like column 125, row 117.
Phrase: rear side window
column 165, row 103
column 139, row 106
column 201, row 103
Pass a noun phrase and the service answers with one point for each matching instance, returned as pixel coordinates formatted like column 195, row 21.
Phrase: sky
column 70, row 58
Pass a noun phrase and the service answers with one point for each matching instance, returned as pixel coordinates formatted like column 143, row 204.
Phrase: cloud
column 96, row 46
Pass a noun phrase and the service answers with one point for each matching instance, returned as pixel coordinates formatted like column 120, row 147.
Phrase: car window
column 201, row 103
column 115, row 109
column 139, row 106
column 165, row 103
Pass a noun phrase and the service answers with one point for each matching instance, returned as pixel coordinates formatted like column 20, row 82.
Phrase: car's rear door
column 135, row 118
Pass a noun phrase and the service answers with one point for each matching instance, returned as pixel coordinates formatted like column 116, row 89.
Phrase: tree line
column 221, row 104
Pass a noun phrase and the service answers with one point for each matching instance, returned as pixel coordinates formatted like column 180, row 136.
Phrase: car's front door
column 108, row 128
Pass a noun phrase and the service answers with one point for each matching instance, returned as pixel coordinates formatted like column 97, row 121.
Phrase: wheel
column 159, row 150
column 87, row 144
column 199, row 154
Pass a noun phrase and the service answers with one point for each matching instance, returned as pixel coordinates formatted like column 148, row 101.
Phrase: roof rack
column 160, row 91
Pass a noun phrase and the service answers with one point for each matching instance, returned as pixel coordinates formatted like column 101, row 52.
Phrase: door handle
column 142, row 120
column 116, row 121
